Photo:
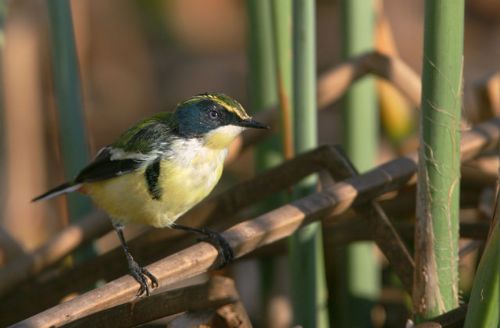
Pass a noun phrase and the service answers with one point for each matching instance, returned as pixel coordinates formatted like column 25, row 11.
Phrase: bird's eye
column 213, row 114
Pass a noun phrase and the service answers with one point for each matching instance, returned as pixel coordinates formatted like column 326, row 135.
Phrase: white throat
column 222, row 136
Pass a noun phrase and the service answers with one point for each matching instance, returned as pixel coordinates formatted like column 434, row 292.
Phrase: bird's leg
column 139, row 273
column 226, row 254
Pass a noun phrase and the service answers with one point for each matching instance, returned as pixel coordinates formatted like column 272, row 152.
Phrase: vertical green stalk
column 484, row 303
column 262, row 87
column 68, row 98
column 270, row 77
column 360, row 275
column 306, row 248
column 282, row 40
column 263, row 95
column 436, row 242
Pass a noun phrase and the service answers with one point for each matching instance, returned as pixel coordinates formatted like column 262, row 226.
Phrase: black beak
column 250, row 123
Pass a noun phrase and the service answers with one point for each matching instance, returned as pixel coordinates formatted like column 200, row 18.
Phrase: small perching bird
column 161, row 167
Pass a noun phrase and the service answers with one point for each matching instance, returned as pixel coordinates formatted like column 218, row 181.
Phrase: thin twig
column 334, row 83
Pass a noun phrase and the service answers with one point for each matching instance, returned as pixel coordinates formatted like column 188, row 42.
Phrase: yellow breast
column 184, row 181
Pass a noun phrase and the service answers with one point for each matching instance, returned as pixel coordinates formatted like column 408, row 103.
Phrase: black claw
column 152, row 278
column 141, row 275
column 226, row 253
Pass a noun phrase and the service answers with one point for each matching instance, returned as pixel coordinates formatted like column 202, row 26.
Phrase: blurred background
column 137, row 58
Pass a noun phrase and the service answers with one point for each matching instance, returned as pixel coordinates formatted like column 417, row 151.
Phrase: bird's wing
column 103, row 167
column 138, row 147
column 106, row 166
column 135, row 149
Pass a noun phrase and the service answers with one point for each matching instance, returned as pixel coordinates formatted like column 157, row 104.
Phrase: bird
column 160, row 168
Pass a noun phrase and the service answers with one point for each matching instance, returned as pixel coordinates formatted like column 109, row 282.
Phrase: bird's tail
column 59, row 190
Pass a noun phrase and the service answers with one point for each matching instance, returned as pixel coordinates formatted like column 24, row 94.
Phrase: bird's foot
column 141, row 275
column 226, row 253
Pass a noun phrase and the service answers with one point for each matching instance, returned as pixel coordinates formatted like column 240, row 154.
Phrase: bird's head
column 216, row 118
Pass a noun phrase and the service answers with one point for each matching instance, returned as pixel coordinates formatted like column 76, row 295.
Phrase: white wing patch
column 119, row 154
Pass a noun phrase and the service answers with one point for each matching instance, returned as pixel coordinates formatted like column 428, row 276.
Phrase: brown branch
column 157, row 244
column 384, row 233
column 265, row 229
column 334, row 83
column 215, row 293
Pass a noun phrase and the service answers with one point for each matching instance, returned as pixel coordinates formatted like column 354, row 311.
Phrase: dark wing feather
column 103, row 167
column 142, row 139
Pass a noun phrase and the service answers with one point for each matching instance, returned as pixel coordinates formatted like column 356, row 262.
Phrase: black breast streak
column 152, row 174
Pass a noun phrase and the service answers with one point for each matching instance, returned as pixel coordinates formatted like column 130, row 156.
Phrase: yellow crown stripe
column 229, row 104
